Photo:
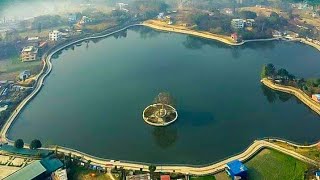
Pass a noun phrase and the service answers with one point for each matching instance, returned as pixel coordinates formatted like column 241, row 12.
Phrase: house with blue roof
column 318, row 175
column 236, row 170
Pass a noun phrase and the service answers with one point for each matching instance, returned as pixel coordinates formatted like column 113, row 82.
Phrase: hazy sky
column 31, row 8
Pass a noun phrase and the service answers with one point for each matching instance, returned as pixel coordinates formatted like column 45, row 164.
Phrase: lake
column 94, row 97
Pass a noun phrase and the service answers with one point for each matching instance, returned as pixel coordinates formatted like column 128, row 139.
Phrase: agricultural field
column 271, row 164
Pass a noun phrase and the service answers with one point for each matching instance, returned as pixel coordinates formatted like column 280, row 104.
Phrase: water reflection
column 272, row 96
column 145, row 32
column 121, row 34
column 268, row 93
column 193, row 42
column 165, row 136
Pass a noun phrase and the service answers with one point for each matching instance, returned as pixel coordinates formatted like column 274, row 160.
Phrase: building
column 165, row 177
column 316, row 97
column 160, row 16
column 139, row 177
column 54, row 35
column 317, row 175
column 42, row 47
column 228, row 11
column 276, row 34
column 235, row 37
column 40, row 169
column 72, row 18
column 249, row 22
column 24, row 75
column 60, row 174
column 3, row 108
column 33, row 41
column 236, row 170
column 237, row 23
column 29, row 53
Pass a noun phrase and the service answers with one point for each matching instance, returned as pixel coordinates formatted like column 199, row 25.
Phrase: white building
column 54, row 35
column 29, row 53
column 237, row 23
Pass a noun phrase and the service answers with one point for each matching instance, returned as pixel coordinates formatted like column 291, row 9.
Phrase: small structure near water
column 161, row 113
column 236, row 170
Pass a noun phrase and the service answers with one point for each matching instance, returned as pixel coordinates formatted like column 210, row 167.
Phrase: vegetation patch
column 271, row 164
column 208, row 177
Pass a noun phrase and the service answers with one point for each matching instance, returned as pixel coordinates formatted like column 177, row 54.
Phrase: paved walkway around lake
column 297, row 92
column 196, row 170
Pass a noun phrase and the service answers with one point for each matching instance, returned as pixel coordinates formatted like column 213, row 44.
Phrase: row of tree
column 35, row 144
column 269, row 70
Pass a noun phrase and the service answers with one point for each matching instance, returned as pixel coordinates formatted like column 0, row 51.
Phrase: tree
column 19, row 143
column 152, row 168
column 270, row 70
column 282, row 72
column 35, row 144
column 264, row 71
column 248, row 14
column 39, row 27
column 164, row 98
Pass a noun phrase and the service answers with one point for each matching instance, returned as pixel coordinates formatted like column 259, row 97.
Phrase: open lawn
column 10, row 68
column 271, row 164
column 208, row 177
column 81, row 173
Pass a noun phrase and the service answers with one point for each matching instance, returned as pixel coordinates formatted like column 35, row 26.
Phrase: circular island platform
column 160, row 114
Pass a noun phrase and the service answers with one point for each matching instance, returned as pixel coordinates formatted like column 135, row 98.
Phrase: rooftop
column 27, row 49
column 165, row 177
column 51, row 164
column 317, row 95
column 236, row 167
column 61, row 173
column 31, row 171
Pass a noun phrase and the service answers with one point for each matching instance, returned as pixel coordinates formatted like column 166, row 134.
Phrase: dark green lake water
column 94, row 98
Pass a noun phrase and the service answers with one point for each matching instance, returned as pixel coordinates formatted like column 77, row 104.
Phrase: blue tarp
column 236, row 167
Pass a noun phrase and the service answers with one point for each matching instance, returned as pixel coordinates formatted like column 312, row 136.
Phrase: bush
column 19, row 143
column 35, row 144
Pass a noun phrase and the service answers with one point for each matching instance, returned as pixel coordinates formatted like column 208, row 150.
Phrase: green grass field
column 208, row 177
column 271, row 164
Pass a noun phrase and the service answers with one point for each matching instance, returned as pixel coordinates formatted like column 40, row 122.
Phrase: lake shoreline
column 216, row 37
column 294, row 91
column 42, row 77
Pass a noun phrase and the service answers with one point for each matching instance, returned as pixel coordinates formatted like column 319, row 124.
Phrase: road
column 200, row 170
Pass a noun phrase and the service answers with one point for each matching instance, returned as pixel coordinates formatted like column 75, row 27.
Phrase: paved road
column 297, row 92
column 210, row 169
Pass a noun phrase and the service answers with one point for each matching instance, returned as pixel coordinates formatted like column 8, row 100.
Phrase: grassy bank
column 310, row 152
column 271, row 164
